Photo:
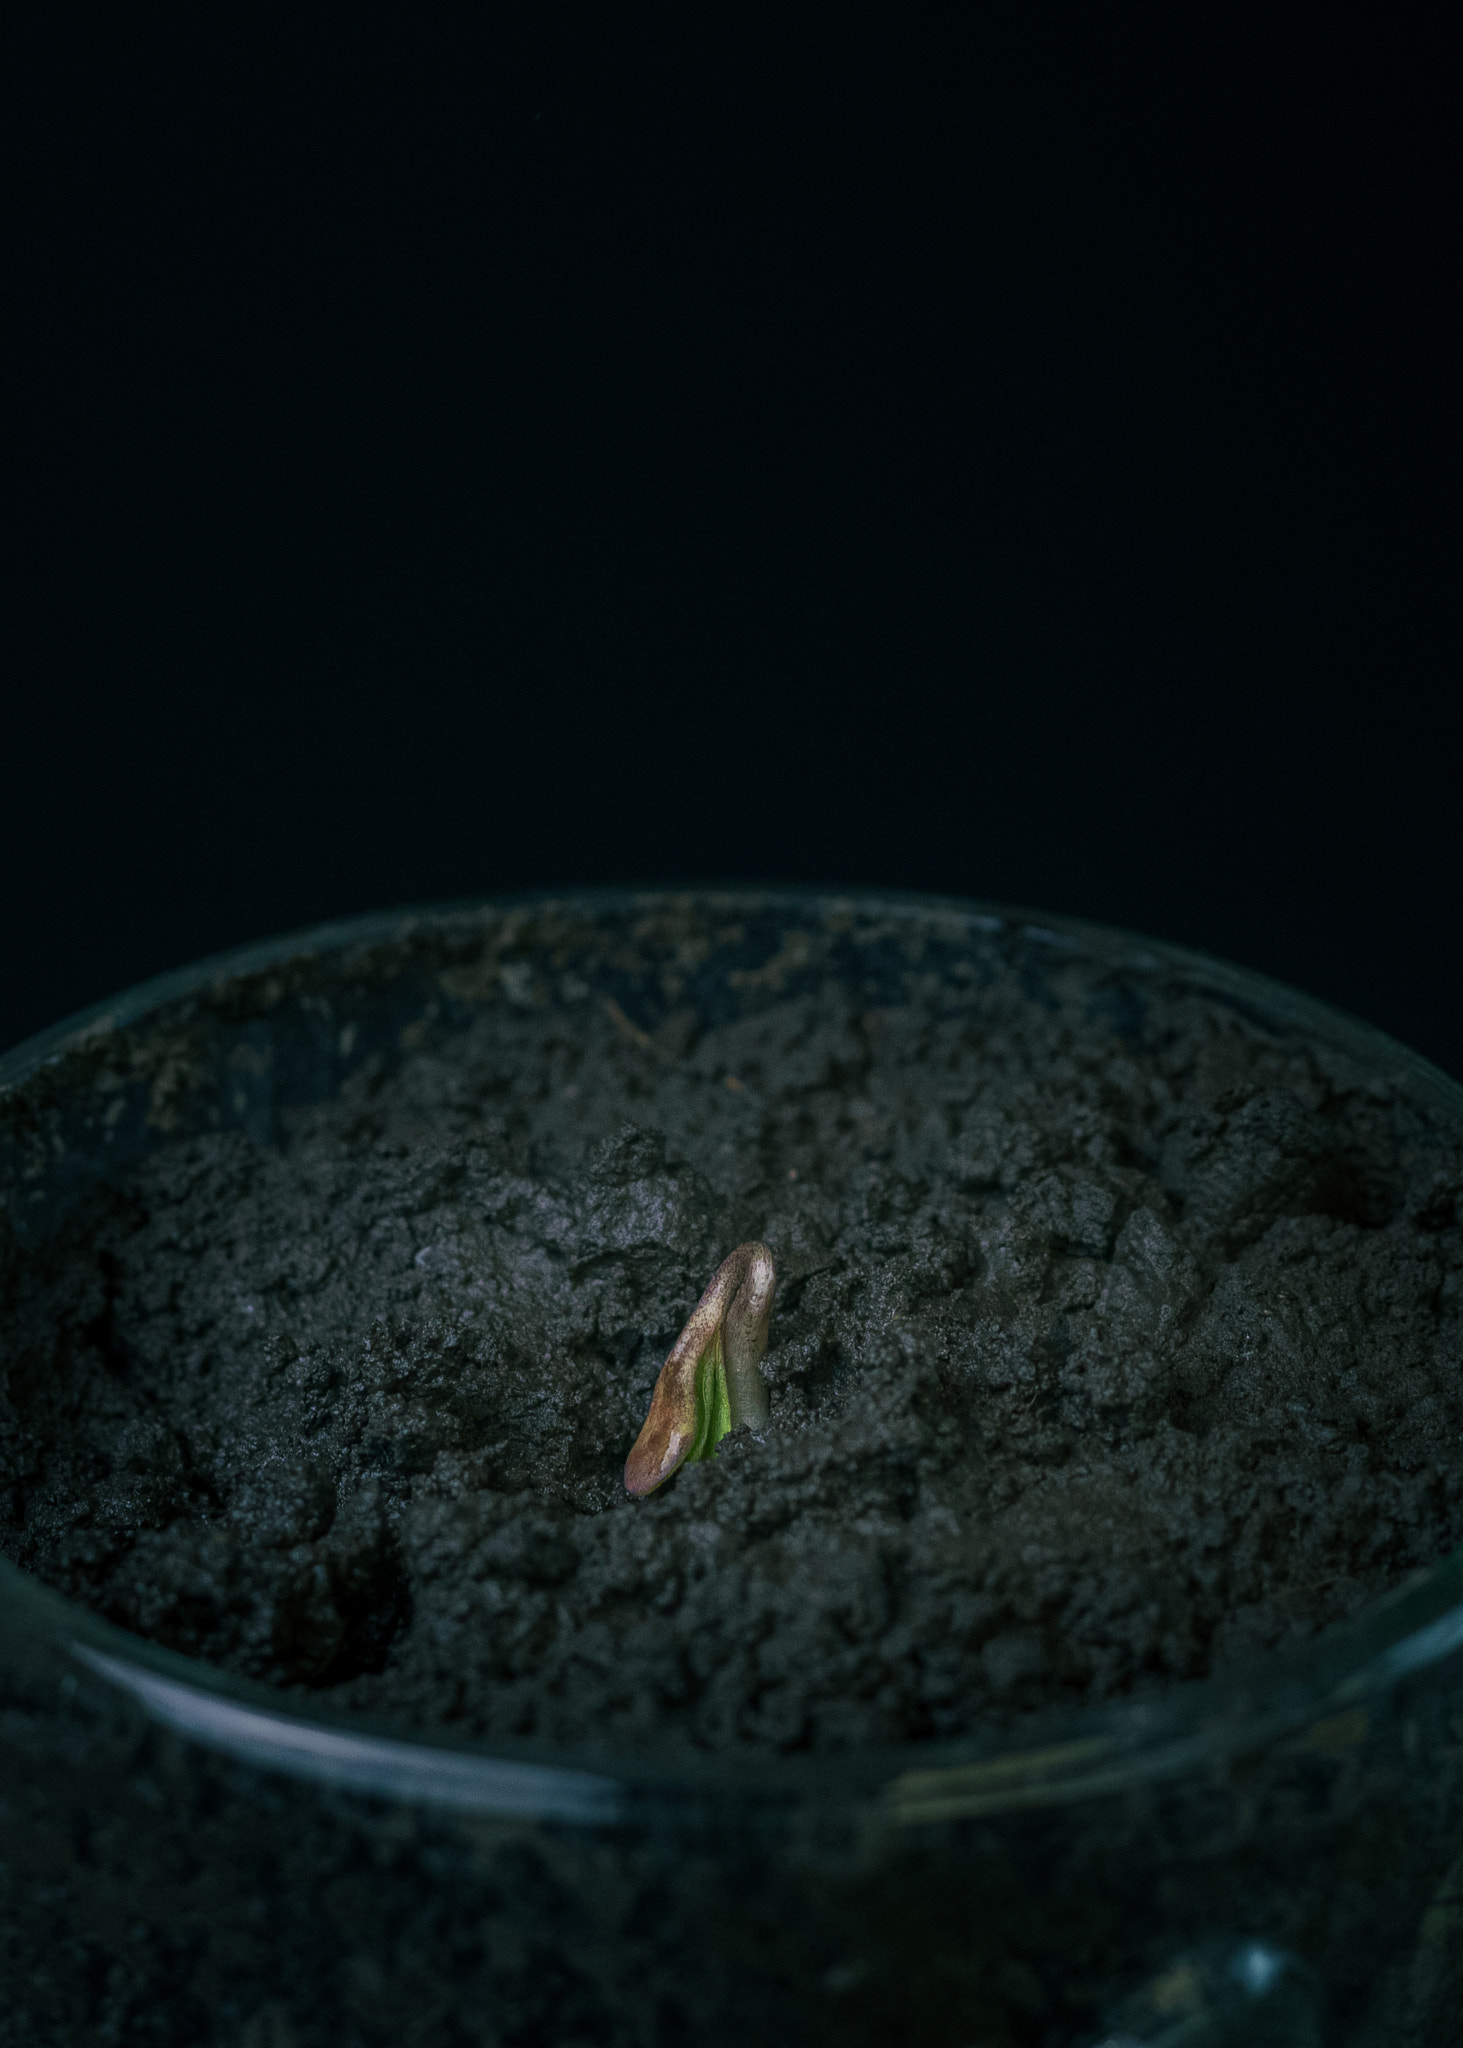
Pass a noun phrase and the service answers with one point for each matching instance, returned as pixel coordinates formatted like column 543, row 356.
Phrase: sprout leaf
column 710, row 1383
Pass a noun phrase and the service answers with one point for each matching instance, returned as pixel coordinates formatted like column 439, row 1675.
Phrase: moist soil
column 1104, row 1355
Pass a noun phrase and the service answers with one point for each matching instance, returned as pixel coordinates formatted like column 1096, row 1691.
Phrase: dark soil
column 1104, row 1353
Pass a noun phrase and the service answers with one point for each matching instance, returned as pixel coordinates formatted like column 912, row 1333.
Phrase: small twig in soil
column 710, row 1383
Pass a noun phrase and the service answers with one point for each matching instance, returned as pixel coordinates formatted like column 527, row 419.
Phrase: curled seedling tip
column 710, row 1383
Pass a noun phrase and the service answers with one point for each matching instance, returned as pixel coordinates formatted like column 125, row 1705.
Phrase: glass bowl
column 1274, row 1856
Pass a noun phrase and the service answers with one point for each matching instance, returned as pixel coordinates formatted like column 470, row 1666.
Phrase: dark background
column 460, row 450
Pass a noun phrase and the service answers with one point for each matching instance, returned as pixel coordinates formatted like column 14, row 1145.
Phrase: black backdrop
column 456, row 450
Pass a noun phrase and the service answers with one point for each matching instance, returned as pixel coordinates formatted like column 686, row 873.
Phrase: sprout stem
column 710, row 1383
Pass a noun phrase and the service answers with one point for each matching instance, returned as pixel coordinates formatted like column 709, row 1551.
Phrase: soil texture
column 1106, row 1351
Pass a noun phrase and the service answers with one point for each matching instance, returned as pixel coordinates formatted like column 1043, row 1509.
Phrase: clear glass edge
column 1314, row 1696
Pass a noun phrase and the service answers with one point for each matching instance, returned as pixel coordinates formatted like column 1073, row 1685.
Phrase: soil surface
column 1105, row 1352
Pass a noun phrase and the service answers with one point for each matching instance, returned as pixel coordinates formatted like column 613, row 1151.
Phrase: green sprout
column 710, row 1383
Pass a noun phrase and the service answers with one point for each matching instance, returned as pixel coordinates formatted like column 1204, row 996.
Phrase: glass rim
column 1320, row 1695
